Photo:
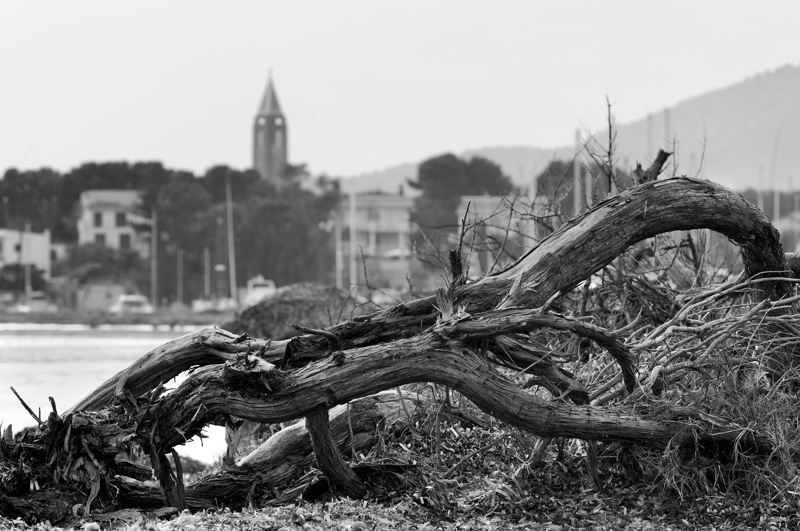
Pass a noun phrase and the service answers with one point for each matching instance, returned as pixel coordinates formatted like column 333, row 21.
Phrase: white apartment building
column 381, row 227
column 383, row 232
column 22, row 247
column 106, row 217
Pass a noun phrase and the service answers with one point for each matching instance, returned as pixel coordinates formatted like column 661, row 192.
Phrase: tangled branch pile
column 700, row 376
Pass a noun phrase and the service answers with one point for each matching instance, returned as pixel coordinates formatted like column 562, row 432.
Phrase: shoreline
column 158, row 320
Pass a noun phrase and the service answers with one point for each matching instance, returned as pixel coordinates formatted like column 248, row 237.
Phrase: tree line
column 280, row 232
column 284, row 233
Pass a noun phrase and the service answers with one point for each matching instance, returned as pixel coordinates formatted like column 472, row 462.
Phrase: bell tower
column 270, row 149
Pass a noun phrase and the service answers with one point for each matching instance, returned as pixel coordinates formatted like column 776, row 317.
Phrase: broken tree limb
column 501, row 322
column 203, row 347
column 584, row 245
column 284, row 456
column 641, row 176
column 426, row 357
column 580, row 248
column 330, row 458
column 527, row 360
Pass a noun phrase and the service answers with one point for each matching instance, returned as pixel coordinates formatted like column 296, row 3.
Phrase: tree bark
column 204, row 347
column 417, row 341
column 427, row 357
column 329, row 458
column 283, row 457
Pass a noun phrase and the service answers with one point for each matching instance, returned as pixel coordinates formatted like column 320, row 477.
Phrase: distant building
column 382, row 231
column 270, row 141
column 21, row 247
column 106, row 217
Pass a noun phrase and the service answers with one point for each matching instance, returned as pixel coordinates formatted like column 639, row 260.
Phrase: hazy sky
column 364, row 84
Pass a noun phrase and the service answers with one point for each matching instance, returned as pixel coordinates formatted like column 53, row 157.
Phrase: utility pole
column 180, row 275
column 337, row 232
column 27, row 260
column 154, row 257
column 206, row 273
column 353, row 266
column 231, row 250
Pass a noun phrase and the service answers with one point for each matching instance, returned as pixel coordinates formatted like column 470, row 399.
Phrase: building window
column 373, row 214
column 98, row 219
column 121, row 219
column 125, row 242
column 100, row 239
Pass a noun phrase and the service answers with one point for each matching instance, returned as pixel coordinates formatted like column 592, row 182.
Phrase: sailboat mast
column 231, row 251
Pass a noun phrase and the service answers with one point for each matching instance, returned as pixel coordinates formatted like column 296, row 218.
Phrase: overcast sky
column 364, row 85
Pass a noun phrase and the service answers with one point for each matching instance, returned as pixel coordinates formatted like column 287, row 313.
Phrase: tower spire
column 270, row 151
column 269, row 102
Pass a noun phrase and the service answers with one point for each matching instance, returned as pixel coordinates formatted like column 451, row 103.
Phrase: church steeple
column 270, row 146
column 269, row 103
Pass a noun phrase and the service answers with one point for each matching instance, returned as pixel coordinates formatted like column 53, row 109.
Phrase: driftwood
column 580, row 248
column 279, row 460
column 455, row 339
column 204, row 347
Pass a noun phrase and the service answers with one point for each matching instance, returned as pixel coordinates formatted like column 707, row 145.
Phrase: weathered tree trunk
column 203, row 347
column 430, row 356
column 580, row 248
column 282, row 457
column 414, row 342
column 328, row 456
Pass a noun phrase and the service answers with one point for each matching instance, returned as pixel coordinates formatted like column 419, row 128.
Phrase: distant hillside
column 740, row 125
column 733, row 131
column 521, row 164
column 389, row 180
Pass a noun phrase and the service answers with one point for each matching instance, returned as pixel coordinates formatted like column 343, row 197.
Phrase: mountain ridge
column 741, row 136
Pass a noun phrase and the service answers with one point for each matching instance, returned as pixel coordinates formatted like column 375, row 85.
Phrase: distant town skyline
column 366, row 85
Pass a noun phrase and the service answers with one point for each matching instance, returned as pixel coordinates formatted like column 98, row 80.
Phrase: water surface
column 68, row 361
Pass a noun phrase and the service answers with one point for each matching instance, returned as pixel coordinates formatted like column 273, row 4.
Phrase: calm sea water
column 67, row 362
